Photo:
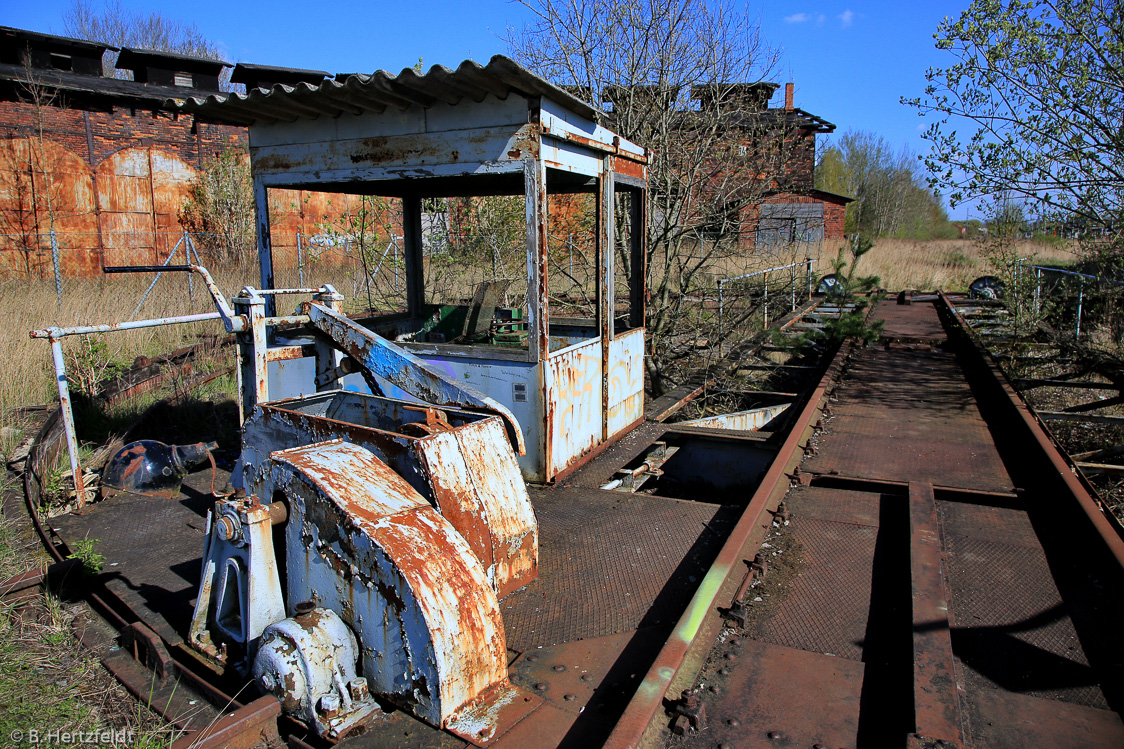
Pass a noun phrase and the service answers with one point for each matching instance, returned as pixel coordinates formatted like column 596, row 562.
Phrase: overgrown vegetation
column 49, row 681
column 890, row 197
column 219, row 209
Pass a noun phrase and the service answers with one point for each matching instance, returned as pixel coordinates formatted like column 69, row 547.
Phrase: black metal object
column 152, row 469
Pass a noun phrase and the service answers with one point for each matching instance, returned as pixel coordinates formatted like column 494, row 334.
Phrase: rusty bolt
column 329, row 704
column 569, row 697
column 724, row 671
column 531, row 658
column 304, row 608
column 730, row 656
column 733, row 722
column 586, row 677
column 713, row 689
column 540, row 687
column 559, row 668
column 226, row 528
column 775, row 735
column 357, row 688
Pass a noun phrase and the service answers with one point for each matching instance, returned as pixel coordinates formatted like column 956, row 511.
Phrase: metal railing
column 1021, row 267
column 791, row 267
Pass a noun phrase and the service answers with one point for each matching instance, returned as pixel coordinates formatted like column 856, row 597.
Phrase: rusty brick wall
column 113, row 180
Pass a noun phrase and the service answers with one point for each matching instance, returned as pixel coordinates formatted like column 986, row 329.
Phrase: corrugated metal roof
column 359, row 93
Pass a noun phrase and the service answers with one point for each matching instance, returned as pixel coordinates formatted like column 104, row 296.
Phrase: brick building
column 107, row 162
column 792, row 210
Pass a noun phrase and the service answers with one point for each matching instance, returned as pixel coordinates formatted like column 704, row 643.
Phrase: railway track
column 911, row 561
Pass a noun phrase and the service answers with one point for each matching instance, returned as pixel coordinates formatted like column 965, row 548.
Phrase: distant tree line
column 891, row 198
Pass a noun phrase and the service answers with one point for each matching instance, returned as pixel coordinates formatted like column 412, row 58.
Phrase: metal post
column 793, row 287
column 1080, row 299
column 571, row 243
column 186, row 242
column 1038, row 291
column 720, row 282
column 300, row 261
column 68, row 420
column 55, row 261
column 808, row 275
column 766, row 299
column 394, row 241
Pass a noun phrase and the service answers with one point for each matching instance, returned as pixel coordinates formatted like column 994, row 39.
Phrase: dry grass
column 27, row 374
column 949, row 264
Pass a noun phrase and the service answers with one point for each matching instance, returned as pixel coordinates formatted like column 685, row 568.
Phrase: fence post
column 792, row 286
column 808, row 275
column 766, row 299
column 1080, row 299
column 1037, row 291
column 55, row 262
column 300, row 261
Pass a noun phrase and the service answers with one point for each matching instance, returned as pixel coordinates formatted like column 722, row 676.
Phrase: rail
column 232, row 322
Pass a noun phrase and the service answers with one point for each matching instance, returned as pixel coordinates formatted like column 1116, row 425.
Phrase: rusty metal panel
column 625, row 380
column 510, row 517
column 573, row 404
column 477, row 486
column 125, row 202
column 745, row 421
column 171, row 180
column 375, row 551
column 44, row 185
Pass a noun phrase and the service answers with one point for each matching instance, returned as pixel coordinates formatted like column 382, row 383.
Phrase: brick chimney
column 788, row 97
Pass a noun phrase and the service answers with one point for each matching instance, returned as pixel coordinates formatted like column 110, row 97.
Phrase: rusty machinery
column 402, row 523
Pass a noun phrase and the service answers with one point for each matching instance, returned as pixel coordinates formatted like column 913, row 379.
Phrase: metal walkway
column 921, row 587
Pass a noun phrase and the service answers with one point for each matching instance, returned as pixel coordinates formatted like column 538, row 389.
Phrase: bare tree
column 685, row 79
column 116, row 25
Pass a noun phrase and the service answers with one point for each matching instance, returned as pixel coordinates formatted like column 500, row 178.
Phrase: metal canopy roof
column 359, row 93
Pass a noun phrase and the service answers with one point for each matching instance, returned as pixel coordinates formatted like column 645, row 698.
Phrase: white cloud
column 820, row 19
column 796, row 18
column 846, row 17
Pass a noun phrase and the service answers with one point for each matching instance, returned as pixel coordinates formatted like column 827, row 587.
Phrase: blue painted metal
column 393, row 363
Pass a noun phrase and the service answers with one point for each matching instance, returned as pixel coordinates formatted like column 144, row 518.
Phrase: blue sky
column 851, row 61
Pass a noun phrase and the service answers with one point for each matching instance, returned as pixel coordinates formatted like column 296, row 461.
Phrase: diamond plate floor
column 825, row 609
column 611, row 562
column 910, row 416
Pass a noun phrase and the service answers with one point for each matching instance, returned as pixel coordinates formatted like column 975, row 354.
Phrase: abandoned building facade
column 102, row 166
